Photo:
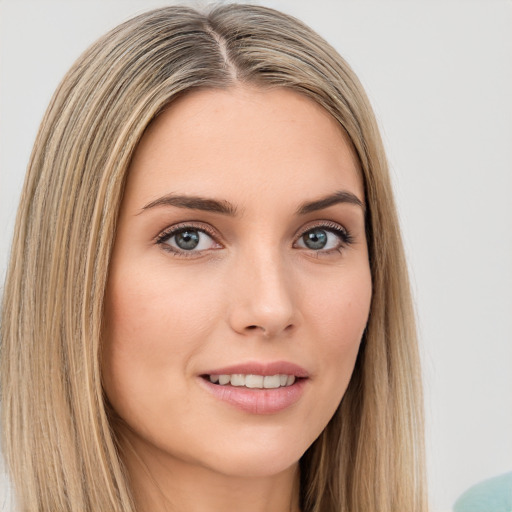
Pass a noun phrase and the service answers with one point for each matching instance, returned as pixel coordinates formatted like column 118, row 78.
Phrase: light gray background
column 439, row 74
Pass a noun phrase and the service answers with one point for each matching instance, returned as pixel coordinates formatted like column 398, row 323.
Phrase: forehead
column 231, row 142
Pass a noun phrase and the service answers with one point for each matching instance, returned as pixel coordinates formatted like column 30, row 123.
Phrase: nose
column 263, row 299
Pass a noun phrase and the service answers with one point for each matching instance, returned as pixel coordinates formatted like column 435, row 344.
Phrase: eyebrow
column 226, row 208
column 194, row 203
column 341, row 196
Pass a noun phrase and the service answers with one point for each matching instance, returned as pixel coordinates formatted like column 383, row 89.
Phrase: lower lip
column 257, row 401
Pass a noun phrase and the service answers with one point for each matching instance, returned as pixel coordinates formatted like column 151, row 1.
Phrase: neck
column 163, row 483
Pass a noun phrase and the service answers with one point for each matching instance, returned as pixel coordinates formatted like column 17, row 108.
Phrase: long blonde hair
column 58, row 439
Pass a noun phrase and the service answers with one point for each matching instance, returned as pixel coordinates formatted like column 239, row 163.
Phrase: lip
column 259, row 368
column 258, row 401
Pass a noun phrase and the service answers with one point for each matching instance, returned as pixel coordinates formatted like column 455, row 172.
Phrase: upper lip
column 261, row 368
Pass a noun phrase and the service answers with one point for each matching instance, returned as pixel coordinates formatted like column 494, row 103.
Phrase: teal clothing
column 493, row 495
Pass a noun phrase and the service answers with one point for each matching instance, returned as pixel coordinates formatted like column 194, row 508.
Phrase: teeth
column 290, row 380
column 253, row 381
column 224, row 379
column 271, row 381
column 238, row 379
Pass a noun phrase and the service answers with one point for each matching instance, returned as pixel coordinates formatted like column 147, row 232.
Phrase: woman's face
column 239, row 285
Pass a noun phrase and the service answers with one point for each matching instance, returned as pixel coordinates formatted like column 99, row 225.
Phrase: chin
column 254, row 467
column 262, row 457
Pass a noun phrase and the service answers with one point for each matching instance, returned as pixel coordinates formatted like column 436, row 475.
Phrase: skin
column 254, row 291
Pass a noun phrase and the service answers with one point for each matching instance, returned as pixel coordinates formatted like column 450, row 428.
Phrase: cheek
column 154, row 313
column 338, row 317
column 341, row 307
column 154, row 323
column 137, row 338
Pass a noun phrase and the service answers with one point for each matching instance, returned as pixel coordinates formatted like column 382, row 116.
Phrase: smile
column 253, row 381
column 257, row 387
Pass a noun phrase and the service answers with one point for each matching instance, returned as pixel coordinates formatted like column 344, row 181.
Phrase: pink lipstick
column 257, row 388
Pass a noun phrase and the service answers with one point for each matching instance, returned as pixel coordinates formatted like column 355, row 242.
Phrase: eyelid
column 345, row 236
column 176, row 228
column 334, row 227
column 327, row 224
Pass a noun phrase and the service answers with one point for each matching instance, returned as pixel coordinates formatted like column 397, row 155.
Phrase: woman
column 259, row 345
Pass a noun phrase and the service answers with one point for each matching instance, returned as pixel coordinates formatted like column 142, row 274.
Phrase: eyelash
column 165, row 235
column 345, row 238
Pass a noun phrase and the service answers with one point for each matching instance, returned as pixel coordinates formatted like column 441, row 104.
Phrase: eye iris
column 187, row 240
column 315, row 239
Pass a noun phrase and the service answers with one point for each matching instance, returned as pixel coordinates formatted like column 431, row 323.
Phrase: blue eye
column 316, row 239
column 323, row 238
column 187, row 239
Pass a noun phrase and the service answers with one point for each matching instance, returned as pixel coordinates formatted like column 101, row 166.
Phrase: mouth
column 257, row 387
column 252, row 381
